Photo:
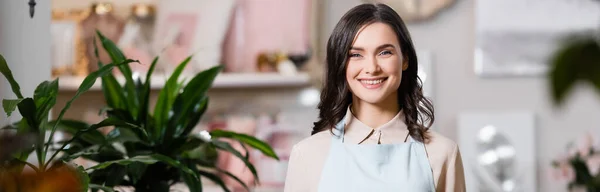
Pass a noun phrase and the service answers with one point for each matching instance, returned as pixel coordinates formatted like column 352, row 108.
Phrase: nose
column 371, row 66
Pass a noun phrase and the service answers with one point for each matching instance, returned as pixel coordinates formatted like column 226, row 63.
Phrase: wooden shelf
column 224, row 80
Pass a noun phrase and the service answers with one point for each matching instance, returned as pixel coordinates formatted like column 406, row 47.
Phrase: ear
column 404, row 65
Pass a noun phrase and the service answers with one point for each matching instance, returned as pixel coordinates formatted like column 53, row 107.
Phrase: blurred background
column 484, row 64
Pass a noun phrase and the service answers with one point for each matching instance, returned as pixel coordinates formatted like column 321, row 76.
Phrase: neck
column 375, row 114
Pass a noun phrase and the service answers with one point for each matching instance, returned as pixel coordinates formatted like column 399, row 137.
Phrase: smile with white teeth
column 372, row 82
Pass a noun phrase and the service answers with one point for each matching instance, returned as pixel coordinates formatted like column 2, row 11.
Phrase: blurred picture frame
column 516, row 38
column 191, row 27
column 63, row 46
column 68, row 50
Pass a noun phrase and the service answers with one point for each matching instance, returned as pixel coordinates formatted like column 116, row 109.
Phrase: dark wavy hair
column 336, row 96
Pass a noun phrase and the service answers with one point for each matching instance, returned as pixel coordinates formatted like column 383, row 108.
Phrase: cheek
column 351, row 71
column 393, row 67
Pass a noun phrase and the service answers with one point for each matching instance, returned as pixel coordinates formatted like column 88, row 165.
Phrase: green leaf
column 121, row 114
column 122, row 135
column 27, row 137
column 205, row 153
column 141, row 159
column 578, row 59
column 45, row 97
column 227, row 147
column 84, row 178
column 234, row 178
column 23, row 162
column 73, row 126
column 146, row 159
column 136, row 171
column 114, row 94
column 165, row 101
column 174, row 163
column 92, row 150
column 10, row 105
column 27, row 109
column 215, row 179
column 87, row 83
column 117, row 56
column 114, row 122
column 5, row 70
column 117, row 175
column 189, row 143
column 191, row 104
column 183, row 126
column 193, row 183
column 30, row 125
column 246, row 139
column 114, row 52
column 145, row 95
column 103, row 188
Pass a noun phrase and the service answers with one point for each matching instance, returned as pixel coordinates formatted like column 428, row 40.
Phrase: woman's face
column 374, row 68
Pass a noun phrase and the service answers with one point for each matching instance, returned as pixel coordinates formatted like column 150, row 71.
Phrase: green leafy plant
column 152, row 150
column 577, row 61
column 31, row 130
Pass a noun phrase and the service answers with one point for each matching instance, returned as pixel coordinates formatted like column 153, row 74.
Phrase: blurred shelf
column 223, row 80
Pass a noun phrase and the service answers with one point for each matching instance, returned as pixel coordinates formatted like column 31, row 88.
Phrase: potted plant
column 580, row 166
column 153, row 150
column 577, row 61
column 29, row 135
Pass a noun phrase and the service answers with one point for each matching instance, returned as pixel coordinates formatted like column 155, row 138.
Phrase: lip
column 372, row 78
column 372, row 86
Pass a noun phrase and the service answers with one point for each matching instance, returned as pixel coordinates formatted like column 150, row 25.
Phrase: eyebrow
column 378, row 48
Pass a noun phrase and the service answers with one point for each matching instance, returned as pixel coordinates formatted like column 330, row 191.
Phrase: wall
column 450, row 37
column 25, row 44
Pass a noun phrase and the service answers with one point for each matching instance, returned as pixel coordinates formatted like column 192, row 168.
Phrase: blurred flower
column 563, row 172
column 584, row 145
column 593, row 164
column 204, row 136
column 582, row 153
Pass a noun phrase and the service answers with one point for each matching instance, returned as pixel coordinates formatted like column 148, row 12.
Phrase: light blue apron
column 375, row 167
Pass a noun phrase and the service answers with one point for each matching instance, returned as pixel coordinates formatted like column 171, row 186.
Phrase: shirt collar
column 390, row 132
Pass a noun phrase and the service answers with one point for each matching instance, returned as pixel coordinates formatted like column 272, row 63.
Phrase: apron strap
column 409, row 138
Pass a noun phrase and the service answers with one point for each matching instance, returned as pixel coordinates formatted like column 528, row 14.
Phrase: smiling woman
column 371, row 134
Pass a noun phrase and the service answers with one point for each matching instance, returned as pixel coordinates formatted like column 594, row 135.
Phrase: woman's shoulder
column 440, row 145
column 446, row 162
column 316, row 141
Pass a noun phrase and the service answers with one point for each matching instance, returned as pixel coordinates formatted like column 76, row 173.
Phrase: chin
column 374, row 96
column 371, row 99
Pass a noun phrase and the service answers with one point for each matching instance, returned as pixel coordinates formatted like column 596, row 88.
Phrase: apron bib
column 376, row 167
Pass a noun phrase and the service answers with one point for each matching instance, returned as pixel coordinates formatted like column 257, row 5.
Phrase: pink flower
column 584, row 145
column 593, row 164
column 564, row 172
